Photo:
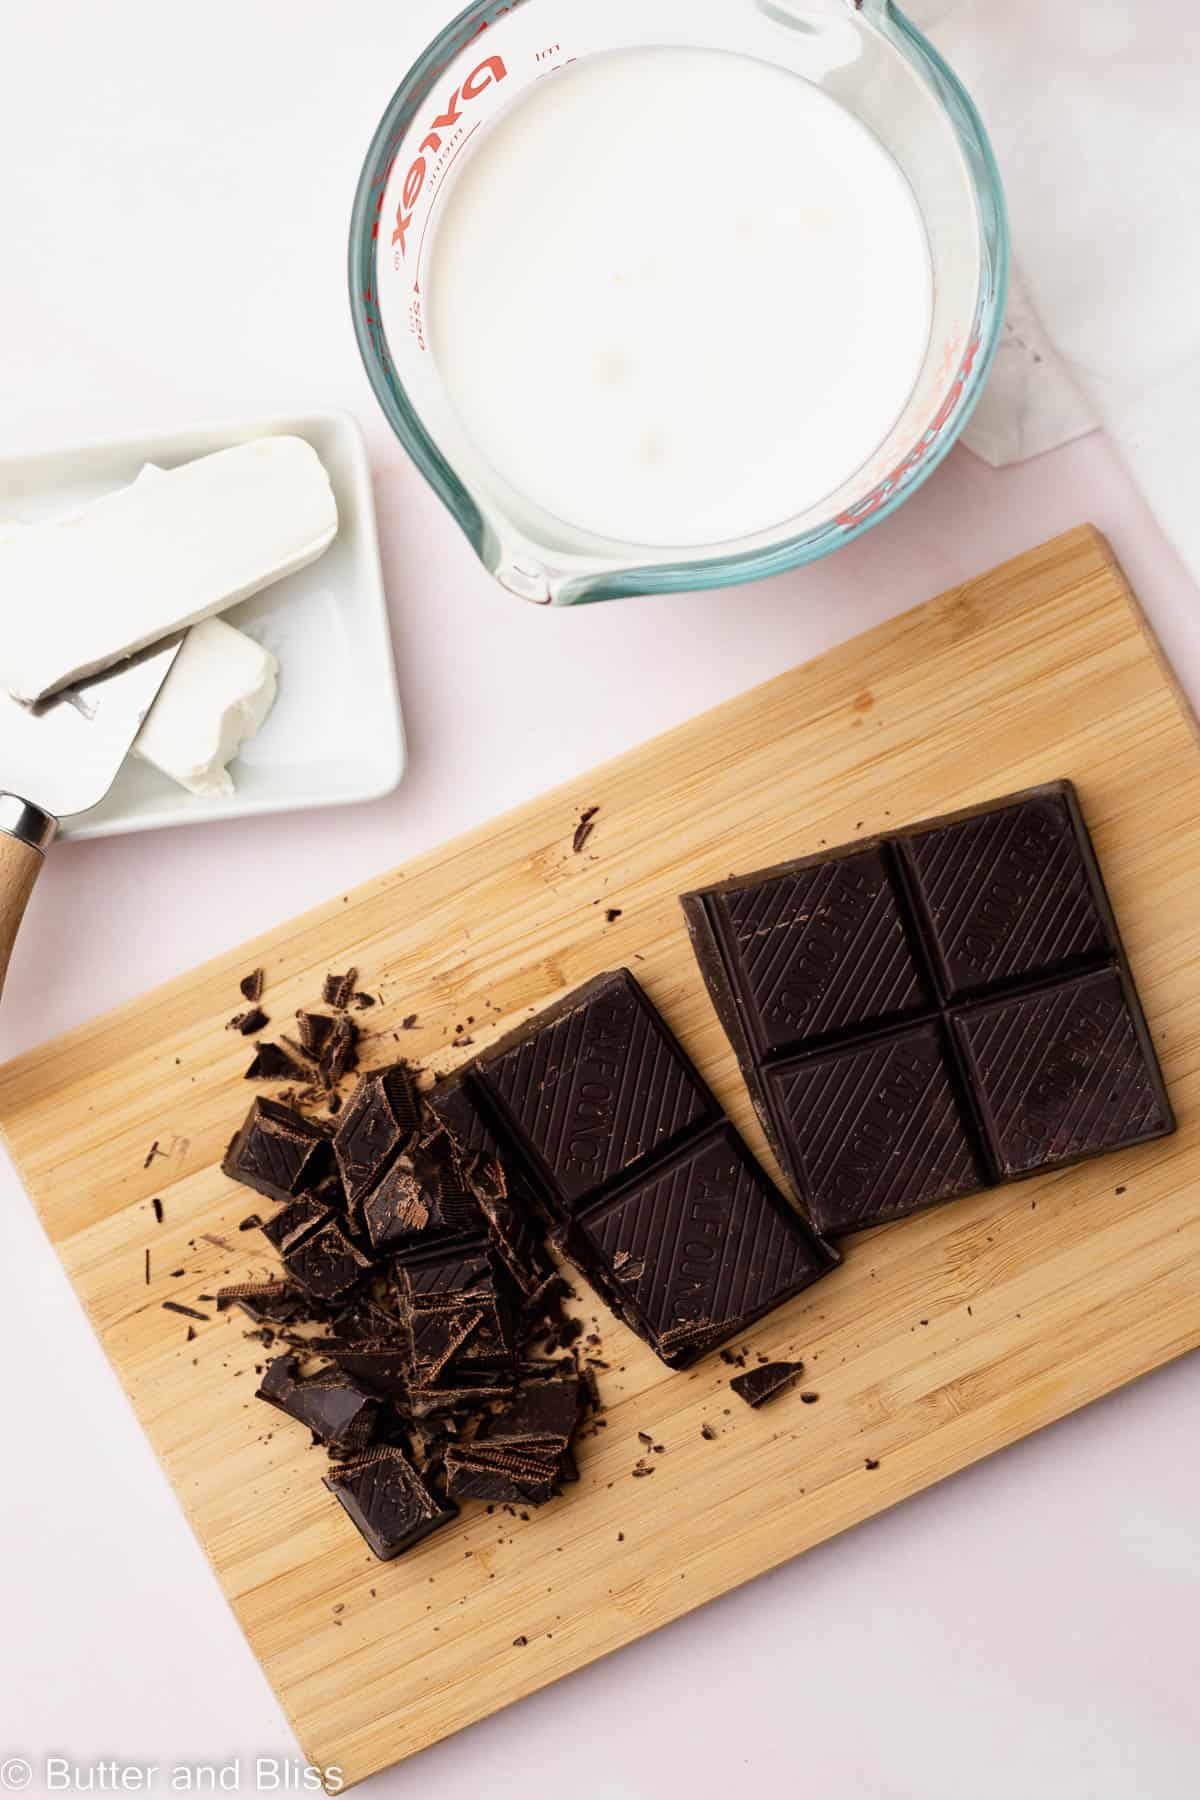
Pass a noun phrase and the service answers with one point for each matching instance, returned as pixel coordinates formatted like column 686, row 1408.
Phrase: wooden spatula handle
column 26, row 833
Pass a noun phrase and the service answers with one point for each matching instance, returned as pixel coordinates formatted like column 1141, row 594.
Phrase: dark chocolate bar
column 925, row 1014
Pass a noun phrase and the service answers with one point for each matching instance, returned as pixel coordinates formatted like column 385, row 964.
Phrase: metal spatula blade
column 61, row 757
column 63, row 754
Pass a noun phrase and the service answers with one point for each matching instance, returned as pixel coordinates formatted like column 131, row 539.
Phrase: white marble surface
column 173, row 248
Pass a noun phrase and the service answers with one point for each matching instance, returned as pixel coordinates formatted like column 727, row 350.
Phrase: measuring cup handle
column 26, row 833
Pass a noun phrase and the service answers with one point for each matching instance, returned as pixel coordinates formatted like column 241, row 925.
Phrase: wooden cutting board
column 939, row 1340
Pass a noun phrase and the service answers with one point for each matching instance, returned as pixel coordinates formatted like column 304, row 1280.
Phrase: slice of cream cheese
column 220, row 689
column 81, row 593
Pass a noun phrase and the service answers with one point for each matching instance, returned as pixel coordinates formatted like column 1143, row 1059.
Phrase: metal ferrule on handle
column 27, row 823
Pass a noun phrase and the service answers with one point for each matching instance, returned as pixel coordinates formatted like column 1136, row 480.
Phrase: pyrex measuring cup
column 865, row 55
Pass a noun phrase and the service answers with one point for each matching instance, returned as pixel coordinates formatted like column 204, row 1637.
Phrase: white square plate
column 335, row 733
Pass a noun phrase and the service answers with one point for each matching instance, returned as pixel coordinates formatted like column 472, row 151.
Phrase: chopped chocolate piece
column 252, row 986
column 338, row 989
column 277, row 1152
column 875, row 1129
column 335, row 1409
column 251, row 1222
column 304, row 1212
column 593, row 1087
column 765, row 1382
column 516, row 1238
column 421, row 1197
column 388, row 1501
column 465, row 1277
column 363, row 1001
column 382, row 1116
column 933, row 1011
column 248, row 1022
column 718, row 1245
column 266, row 1302
column 313, row 1031
column 340, row 1054
column 379, row 1363
column 324, row 1262
column 437, row 1333
column 1062, row 1074
column 272, row 1063
column 513, row 1477
column 543, row 1413
column 465, row 1396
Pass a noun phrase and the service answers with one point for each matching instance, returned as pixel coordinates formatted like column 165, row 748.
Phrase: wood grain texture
column 940, row 1340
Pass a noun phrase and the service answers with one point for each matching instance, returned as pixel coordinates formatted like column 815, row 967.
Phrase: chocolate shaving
column 252, row 986
column 189, row 1312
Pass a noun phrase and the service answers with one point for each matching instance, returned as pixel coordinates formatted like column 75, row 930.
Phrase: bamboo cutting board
column 939, row 1340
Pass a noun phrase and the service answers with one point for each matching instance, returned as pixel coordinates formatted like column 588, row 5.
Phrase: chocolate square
column 702, row 1245
column 1062, row 1073
column 813, row 950
column 593, row 1087
column 1007, row 893
column 874, row 1129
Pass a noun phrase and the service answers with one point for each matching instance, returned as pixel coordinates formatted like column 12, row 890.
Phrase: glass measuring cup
column 864, row 54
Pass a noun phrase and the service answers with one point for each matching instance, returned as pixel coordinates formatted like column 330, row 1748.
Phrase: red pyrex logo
column 486, row 75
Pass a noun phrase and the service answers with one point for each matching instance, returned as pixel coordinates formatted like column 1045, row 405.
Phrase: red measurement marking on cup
column 880, row 495
column 441, row 182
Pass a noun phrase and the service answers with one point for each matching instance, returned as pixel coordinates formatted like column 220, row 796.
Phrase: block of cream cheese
column 79, row 594
column 220, row 689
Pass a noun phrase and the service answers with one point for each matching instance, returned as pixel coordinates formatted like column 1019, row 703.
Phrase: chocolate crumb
column 147, row 1267
column 407, row 1023
column 252, row 986
column 156, row 1203
column 251, row 1222
column 519, row 1643
column 189, row 1312
column 151, row 1154
column 810, row 1399
column 645, row 1438
column 872, row 1462
column 584, row 829
column 613, row 914
column 191, row 1333
column 363, row 1001
column 708, row 1432
column 248, row 1022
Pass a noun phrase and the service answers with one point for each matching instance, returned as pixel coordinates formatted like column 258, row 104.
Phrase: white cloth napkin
column 1094, row 110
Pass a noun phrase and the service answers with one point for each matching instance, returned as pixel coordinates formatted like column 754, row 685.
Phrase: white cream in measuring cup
column 677, row 296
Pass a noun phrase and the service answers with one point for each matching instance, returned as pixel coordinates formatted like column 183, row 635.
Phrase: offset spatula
column 61, row 757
